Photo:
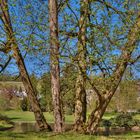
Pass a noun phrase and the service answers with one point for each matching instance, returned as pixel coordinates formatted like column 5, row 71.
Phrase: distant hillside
column 11, row 83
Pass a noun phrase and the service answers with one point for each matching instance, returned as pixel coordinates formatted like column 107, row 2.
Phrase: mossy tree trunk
column 81, row 104
column 12, row 43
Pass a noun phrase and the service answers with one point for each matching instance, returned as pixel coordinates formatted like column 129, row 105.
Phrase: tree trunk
column 39, row 117
column 96, row 116
column 54, row 64
column 115, row 78
column 80, row 104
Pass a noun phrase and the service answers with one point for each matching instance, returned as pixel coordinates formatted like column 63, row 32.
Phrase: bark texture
column 96, row 116
column 80, row 104
column 11, row 41
column 54, row 64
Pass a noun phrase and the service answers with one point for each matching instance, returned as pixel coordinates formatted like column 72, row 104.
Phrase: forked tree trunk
column 96, row 116
column 81, row 104
column 11, row 40
column 54, row 63
column 116, row 77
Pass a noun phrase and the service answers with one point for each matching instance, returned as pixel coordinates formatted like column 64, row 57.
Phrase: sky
column 31, row 17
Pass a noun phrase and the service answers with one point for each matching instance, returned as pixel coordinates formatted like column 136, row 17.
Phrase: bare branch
column 61, row 4
column 3, row 67
column 94, row 88
column 108, row 5
column 69, row 34
column 135, row 60
column 73, row 12
column 125, row 57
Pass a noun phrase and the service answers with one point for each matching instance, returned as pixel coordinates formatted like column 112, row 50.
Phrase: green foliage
column 126, row 120
column 123, row 120
column 106, row 37
column 8, row 77
column 106, row 123
column 68, row 80
column 24, row 104
column 34, row 80
column 126, row 96
column 44, row 91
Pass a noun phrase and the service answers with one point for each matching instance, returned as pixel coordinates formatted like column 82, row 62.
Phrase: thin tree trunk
column 54, row 63
column 11, row 40
column 81, row 104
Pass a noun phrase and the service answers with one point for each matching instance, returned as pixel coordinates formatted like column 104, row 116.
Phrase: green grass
column 20, row 116
column 108, row 116
column 65, row 136
column 4, row 124
column 137, row 116
column 29, row 116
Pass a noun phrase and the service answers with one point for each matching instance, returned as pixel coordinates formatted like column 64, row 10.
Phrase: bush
column 106, row 123
column 123, row 120
column 24, row 104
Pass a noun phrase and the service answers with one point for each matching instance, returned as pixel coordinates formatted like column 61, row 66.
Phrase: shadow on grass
column 14, row 118
column 11, row 135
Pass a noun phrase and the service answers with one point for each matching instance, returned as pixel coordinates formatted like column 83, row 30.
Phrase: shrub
column 24, row 104
column 123, row 120
column 105, row 123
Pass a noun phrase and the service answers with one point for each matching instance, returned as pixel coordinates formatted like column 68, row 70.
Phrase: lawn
column 65, row 136
column 29, row 116
column 20, row 116
column 137, row 116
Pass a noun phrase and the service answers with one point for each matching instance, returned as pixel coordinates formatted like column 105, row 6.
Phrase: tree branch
column 3, row 67
column 73, row 12
column 108, row 5
column 125, row 57
column 69, row 34
column 135, row 60
column 94, row 88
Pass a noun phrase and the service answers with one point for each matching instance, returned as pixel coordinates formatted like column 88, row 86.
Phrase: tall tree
column 54, row 64
column 111, row 82
column 81, row 105
column 12, row 44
